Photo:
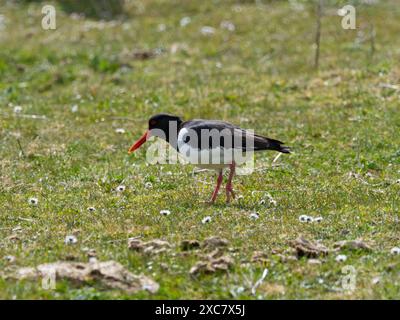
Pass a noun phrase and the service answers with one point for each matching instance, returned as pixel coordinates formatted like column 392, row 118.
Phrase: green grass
column 260, row 76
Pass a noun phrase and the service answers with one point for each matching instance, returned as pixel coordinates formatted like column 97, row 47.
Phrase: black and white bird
column 209, row 144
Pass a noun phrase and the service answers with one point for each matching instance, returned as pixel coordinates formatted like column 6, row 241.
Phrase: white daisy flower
column 74, row 108
column 33, row 201
column 341, row 258
column 318, row 219
column 120, row 188
column 185, row 21
column 309, row 219
column 9, row 259
column 165, row 212
column 254, row 216
column 207, row 31
column 303, row 218
column 161, row 27
column 91, row 209
column 395, row 250
column 70, row 239
column 227, row 25
column 376, row 280
column 17, row 109
column 206, row 220
column 120, row 130
column 148, row 185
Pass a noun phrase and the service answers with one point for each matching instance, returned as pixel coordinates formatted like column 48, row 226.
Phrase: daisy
column 74, row 108
column 70, row 239
column 120, row 130
column 254, row 216
column 207, row 31
column 376, row 280
column 185, row 21
column 120, row 188
column 227, row 25
column 303, row 218
column 9, row 259
column 17, row 109
column 206, row 220
column 165, row 212
column 33, row 201
column 341, row 258
column 161, row 27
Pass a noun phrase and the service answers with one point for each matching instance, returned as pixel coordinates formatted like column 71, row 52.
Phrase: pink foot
column 215, row 193
column 229, row 189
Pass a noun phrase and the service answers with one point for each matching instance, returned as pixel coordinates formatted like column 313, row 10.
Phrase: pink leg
column 215, row 193
column 229, row 189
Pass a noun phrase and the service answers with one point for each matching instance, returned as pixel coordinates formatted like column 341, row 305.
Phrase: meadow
column 72, row 101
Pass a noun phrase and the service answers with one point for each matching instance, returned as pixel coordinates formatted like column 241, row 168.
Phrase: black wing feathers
column 259, row 142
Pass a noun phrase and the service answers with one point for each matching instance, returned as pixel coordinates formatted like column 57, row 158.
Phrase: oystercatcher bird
column 209, row 144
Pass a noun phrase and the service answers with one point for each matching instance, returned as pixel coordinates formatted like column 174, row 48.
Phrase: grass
column 343, row 118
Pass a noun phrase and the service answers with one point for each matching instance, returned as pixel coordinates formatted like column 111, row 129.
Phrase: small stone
column 187, row 245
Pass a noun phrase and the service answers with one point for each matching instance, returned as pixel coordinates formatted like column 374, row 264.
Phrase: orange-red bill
column 138, row 143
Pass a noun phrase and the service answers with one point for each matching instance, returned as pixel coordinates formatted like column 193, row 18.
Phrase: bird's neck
column 171, row 133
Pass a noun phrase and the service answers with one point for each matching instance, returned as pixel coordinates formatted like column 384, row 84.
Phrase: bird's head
column 160, row 125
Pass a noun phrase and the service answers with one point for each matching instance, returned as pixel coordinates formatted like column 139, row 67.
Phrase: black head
column 160, row 125
column 163, row 121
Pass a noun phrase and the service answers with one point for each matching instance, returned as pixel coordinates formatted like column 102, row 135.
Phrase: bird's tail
column 277, row 146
